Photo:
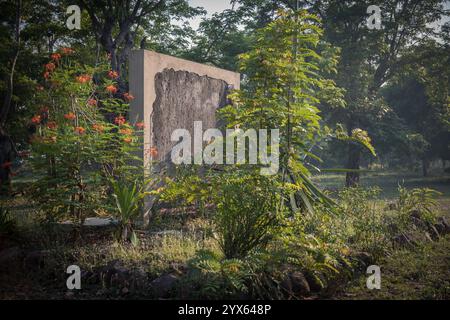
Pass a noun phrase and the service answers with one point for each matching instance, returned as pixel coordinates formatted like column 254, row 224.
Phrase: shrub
column 423, row 201
column 81, row 141
column 247, row 206
column 128, row 198
column 246, row 213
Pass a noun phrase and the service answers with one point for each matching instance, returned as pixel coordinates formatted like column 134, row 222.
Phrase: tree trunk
column 7, row 147
column 354, row 157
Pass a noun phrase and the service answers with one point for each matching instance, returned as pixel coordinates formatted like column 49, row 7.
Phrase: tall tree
column 369, row 58
column 118, row 22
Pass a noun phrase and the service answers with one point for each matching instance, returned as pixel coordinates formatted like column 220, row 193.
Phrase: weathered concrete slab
column 171, row 93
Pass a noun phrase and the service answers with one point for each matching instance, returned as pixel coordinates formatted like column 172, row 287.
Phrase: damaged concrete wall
column 172, row 93
column 199, row 87
column 181, row 98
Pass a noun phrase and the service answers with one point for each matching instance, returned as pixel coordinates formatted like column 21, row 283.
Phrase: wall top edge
column 187, row 65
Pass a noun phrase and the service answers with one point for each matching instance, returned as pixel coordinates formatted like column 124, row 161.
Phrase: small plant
column 246, row 214
column 128, row 198
column 423, row 201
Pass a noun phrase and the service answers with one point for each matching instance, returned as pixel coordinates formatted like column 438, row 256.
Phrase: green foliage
column 213, row 278
column 286, row 74
column 82, row 139
column 8, row 224
column 128, row 200
column 246, row 213
column 422, row 201
column 247, row 206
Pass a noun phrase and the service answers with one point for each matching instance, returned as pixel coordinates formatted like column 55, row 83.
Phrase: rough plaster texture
column 171, row 93
column 149, row 71
column 182, row 98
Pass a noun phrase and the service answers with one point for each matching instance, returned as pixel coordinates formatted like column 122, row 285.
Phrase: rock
column 403, row 240
column 10, row 258
column 163, row 285
column 442, row 226
column 116, row 275
column 296, row 285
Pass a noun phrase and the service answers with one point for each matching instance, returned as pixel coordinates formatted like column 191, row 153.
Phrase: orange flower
column 92, row 102
column 128, row 139
column 120, row 120
column 46, row 75
column 126, row 132
column 98, row 127
column 50, row 67
column 55, row 56
column 140, row 125
column 111, row 89
column 66, row 50
column 113, row 74
column 70, row 116
column 128, row 97
column 80, row 130
column 84, row 78
column 36, row 119
column 52, row 125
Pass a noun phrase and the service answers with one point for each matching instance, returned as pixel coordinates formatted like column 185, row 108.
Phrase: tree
column 287, row 72
column 117, row 23
column 369, row 58
column 419, row 95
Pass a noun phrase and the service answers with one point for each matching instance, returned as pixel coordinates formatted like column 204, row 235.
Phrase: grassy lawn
column 414, row 274
column 389, row 181
column 418, row 273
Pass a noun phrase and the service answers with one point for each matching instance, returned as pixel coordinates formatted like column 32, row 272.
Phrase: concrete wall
column 171, row 93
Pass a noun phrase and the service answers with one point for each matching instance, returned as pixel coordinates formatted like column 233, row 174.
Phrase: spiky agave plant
column 128, row 197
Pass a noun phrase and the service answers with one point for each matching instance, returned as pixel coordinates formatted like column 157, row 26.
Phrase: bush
column 128, row 198
column 247, row 206
column 81, row 140
column 246, row 214
column 421, row 201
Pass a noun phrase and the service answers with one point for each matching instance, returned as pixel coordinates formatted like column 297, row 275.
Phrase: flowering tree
column 82, row 139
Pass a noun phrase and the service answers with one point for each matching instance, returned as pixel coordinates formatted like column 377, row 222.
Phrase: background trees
column 372, row 68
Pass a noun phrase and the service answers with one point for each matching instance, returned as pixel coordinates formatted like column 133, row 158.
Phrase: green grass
column 415, row 274
column 389, row 182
